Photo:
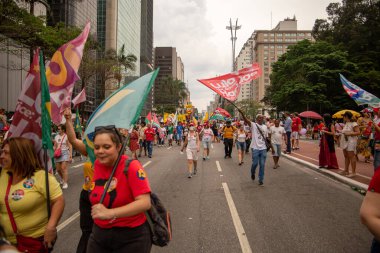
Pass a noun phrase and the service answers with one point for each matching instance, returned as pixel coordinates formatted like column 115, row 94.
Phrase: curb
column 352, row 183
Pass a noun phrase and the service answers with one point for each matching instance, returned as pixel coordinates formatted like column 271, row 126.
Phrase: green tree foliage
column 24, row 28
column 307, row 78
column 354, row 26
column 249, row 107
column 171, row 91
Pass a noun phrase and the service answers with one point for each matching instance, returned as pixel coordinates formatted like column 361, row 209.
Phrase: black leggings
column 228, row 143
column 120, row 240
column 86, row 221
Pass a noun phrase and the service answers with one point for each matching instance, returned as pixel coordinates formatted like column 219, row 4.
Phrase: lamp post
column 233, row 29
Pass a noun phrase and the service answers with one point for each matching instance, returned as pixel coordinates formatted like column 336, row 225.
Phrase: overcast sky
column 197, row 28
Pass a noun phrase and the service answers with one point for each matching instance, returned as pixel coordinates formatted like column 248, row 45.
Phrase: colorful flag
column 62, row 73
column 228, row 86
column 360, row 96
column 166, row 116
column 223, row 112
column 77, row 125
column 122, row 108
column 152, row 120
column 80, row 98
column 28, row 119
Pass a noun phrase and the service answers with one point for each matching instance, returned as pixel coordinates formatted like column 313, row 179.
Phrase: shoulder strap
column 126, row 166
column 11, row 218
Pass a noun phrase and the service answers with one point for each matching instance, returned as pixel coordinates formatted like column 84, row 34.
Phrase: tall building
column 78, row 13
column 244, row 60
column 146, row 47
column 269, row 45
column 180, row 70
column 166, row 59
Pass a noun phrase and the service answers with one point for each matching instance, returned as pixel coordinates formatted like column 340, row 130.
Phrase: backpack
column 157, row 216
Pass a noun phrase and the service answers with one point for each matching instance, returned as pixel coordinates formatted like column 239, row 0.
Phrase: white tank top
column 192, row 141
column 241, row 136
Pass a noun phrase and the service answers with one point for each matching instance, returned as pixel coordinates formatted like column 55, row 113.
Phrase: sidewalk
column 308, row 155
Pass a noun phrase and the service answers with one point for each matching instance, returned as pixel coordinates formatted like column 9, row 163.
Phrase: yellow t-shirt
column 88, row 173
column 228, row 132
column 28, row 204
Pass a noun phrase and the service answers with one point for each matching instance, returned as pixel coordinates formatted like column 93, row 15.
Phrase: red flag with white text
column 223, row 112
column 27, row 117
column 228, row 86
column 62, row 73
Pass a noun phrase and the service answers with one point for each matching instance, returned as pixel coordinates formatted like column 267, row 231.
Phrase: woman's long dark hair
column 327, row 119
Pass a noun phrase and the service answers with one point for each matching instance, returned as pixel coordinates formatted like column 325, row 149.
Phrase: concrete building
column 180, row 70
column 269, row 45
column 245, row 59
column 15, row 63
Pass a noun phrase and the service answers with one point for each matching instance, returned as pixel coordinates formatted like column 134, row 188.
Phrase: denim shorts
column 65, row 157
column 240, row 145
column 277, row 149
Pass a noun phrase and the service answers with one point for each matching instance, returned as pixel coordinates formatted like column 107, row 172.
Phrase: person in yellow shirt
column 228, row 132
column 23, row 203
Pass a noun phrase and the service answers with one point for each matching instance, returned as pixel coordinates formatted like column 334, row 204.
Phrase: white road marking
column 68, row 221
column 212, row 146
column 245, row 247
column 218, row 165
column 146, row 164
column 170, row 147
column 77, row 214
column 78, row 165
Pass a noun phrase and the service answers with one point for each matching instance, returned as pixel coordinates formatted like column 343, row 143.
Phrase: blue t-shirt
column 179, row 129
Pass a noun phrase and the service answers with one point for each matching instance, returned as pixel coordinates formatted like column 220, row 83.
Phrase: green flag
column 78, row 127
column 45, row 110
column 121, row 109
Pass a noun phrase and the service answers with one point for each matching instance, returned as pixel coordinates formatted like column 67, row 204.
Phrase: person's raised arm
column 70, row 132
column 370, row 213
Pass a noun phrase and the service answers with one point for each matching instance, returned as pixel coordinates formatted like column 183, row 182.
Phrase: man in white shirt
column 258, row 146
column 276, row 134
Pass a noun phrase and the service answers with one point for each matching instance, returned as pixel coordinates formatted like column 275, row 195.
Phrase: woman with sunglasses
column 23, row 198
column 120, row 222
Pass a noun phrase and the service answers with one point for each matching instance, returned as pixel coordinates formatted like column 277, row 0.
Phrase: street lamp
column 233, row 29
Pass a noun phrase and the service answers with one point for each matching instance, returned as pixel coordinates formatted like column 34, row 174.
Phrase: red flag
column 62, row 73
column 223, row 112
column 27, row 118
column 228, row 86
column 80, row 98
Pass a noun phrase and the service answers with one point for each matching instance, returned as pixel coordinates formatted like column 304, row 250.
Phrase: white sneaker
column 65, row 186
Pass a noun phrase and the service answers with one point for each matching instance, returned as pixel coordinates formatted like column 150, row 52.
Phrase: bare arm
column 57, row 206
column 370, row 213
column 70, row 132
column 184, row 144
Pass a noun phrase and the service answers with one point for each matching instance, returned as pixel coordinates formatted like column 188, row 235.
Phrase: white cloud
column 197, row 29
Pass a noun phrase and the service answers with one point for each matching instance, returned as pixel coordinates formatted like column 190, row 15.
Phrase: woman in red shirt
column 120, row 222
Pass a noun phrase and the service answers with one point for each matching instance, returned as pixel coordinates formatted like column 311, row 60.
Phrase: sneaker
column 351, row 175
column 189, row 176
column 253, row 177
column 240, row 163
column 207, row 157
column 149, row 156
column 261, row 183
column 65, row 186
column 204, row 158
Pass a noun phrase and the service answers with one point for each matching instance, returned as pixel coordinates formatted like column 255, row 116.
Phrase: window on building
column 271, row 47
column 265, row 40
column 265, row 47
column 301, row 34
column 265, row 35
column 265, row 52
column 266, row 80
column 279, row 40
column 266, row 63
column 266, row 69
column 265, row 57
column 279, row 46
column 272, row 34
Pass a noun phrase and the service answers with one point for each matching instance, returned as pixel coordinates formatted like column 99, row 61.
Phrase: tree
column 354, row 26
column 307, row 78
column 171, row 91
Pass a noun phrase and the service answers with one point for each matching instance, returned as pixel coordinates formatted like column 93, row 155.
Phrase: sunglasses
column 108, row 128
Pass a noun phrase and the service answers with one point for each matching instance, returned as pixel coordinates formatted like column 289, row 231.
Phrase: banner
column 62, row 73
column 360, row 96
column 223, row 112
column 80, row 98
column 121, row 109
column 27, row 118
column 228, row 86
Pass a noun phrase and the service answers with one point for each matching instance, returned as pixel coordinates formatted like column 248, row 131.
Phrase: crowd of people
column 120, row 215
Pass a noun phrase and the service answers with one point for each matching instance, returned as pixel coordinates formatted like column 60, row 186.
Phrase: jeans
column 375, row 247
column 149, row 146
column 288, row 143
column 258, row 158
column 228, row 143
column 376, row 159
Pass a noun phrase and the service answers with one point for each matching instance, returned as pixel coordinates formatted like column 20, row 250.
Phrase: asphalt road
column 297, row 209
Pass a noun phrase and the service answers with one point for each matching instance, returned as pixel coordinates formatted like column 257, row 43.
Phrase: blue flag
column 122, row 108
column 360, row 96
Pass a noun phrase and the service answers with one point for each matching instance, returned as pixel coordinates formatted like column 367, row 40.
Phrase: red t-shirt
column 296, row 121
column 123, row 190
column 374, row 185
column 149, row 134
